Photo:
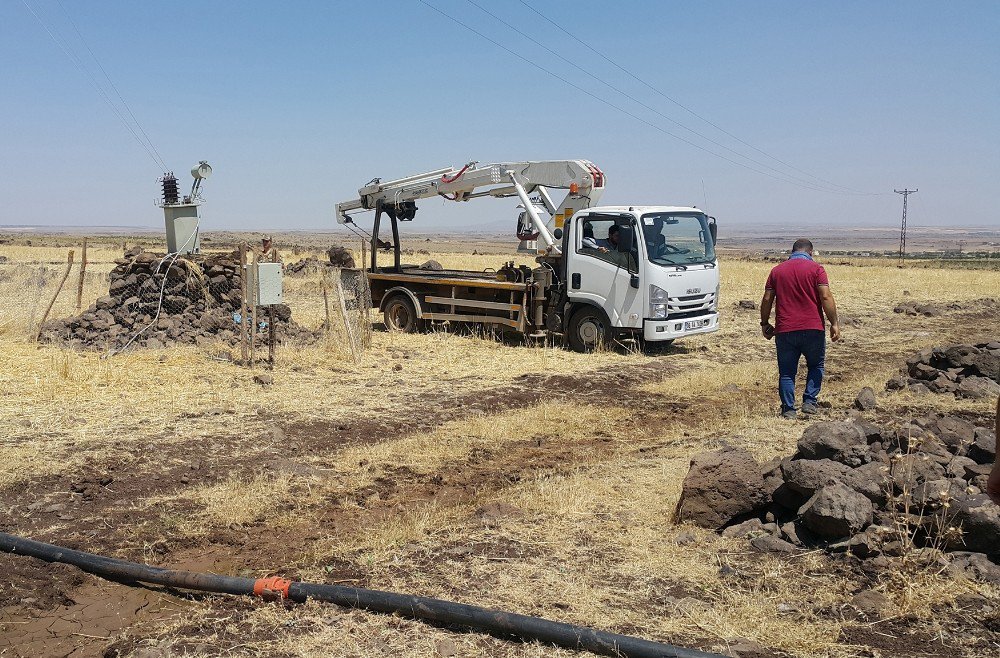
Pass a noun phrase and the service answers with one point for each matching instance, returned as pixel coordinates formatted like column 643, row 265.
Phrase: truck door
column 602, row 262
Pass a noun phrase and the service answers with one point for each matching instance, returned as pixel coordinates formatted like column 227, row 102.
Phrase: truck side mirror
column 557, row 234
column 713, row 229
column 634, row 281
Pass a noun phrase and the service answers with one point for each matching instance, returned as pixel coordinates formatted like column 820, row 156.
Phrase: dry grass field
column 449, row 464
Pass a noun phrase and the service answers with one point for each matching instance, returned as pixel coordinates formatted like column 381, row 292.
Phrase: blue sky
column 297, row 104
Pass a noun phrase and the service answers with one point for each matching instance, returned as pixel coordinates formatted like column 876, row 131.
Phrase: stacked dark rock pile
column 969, row 371
column 855, row 486
column 307, row 266
column 200, row 295
column 926, row 310
column 337, row 257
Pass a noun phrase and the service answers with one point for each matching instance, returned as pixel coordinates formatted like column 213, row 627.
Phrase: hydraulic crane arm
column 582, row 180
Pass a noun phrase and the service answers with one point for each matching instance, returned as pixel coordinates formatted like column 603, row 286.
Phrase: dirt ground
column 449, row 464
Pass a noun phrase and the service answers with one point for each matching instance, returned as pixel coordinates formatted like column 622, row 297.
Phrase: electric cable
column 79, row 63
column 112, row 83
column 163, row 286
column 684, row 107
column 621, row 109
column 648, row 107
column 495, row 622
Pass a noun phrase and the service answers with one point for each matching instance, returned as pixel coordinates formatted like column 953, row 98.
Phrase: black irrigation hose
column 495, row 622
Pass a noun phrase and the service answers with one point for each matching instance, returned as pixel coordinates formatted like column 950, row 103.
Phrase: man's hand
column 766, row 302
column 830, row 310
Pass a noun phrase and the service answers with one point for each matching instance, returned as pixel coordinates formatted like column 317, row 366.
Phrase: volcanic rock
column 979, row 519
column 807, row 476
column 340, row 257
column 970, row 371
column 865, row 400
column 977, row 387
column 721, row 487
column 984, row 446
column 837, row 440
column 955, row 432
column 974, row 566
column 749, row 528
column 959, row 467
column 199, row 304
column 836, row 511
column 896, row 383
column 870, row 480
column 910, row 470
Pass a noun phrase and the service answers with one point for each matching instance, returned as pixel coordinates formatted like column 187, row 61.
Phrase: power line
column 902, row 231
column 619, row 108
column 79, row 63
column 111, row 82
column 645, row 105
column 684, row 107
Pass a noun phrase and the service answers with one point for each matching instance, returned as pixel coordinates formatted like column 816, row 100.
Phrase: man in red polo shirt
column 802, row 292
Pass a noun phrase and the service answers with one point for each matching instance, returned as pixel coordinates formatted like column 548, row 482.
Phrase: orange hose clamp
column 272, row 588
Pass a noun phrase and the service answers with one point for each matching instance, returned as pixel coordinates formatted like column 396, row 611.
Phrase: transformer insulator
column 170, row 191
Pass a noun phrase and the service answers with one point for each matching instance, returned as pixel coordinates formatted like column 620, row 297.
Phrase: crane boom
column 582, row 179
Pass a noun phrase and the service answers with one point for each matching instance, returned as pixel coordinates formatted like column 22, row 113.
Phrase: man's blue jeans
column 791, row 346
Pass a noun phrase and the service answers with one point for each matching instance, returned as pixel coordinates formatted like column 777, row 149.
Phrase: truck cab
column 648, row 271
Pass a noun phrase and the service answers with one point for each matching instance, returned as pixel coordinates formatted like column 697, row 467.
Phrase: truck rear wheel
column 401, row 315
column 588, row 329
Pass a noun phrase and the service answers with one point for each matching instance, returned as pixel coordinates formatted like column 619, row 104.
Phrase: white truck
column 603, row 272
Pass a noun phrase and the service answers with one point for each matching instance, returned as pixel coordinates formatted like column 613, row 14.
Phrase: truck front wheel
column 400, row 315
column 588, row 330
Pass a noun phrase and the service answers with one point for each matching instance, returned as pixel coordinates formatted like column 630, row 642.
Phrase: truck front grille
column 690, row 305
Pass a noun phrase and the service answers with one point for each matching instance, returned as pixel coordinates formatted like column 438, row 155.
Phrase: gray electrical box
column 182, row 228
column 268, row 284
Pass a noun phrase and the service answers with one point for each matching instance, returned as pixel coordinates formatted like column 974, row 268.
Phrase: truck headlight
column 658, row 300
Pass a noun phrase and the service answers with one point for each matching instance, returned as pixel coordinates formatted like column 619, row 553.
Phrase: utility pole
column 902, row 231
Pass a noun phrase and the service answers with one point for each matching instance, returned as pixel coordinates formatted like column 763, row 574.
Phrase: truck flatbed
column 460, row 278
column 451, row 295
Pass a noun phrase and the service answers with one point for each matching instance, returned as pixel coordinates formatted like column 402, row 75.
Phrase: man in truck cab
column 611, row 243
column 801, row 290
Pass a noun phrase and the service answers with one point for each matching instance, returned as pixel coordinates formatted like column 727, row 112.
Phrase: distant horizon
column 488, row 230
column 807, row 113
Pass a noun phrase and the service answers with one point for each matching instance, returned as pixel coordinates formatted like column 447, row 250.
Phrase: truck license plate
column 694, row 324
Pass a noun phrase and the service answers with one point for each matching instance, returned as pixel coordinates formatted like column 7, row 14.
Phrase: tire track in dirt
column 165, row 465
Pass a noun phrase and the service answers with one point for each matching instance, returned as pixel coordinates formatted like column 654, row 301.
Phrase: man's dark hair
column 802, row 244
column 614, row 228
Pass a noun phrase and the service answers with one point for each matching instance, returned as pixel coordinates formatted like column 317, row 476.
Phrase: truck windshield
column 677, row 238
